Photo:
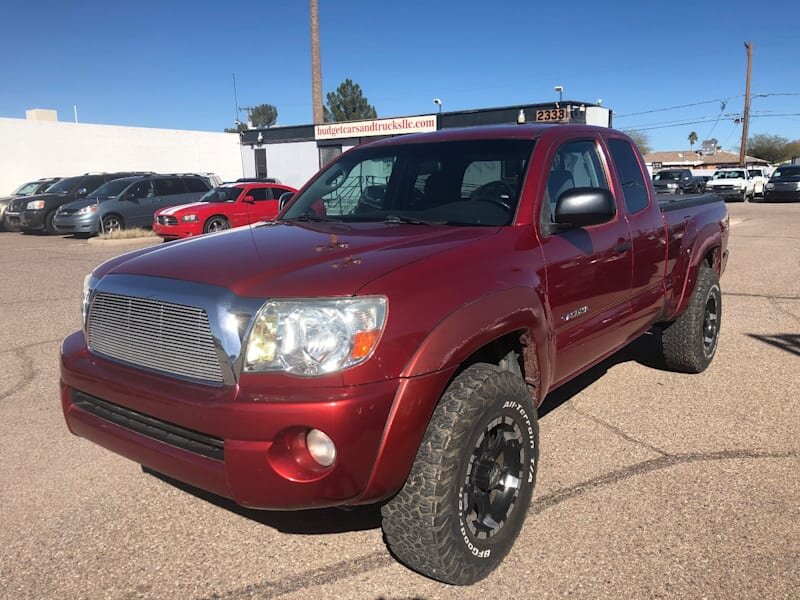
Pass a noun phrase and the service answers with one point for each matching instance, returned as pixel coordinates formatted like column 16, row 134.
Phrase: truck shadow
column 646, row 350
column 307, row 522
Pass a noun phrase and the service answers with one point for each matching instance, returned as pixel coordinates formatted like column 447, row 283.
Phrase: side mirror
column 249, row 200
column 581, row 207
column 284, row 199
column 82, row 192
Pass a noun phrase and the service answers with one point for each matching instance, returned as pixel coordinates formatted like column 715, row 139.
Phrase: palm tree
column 692, row 139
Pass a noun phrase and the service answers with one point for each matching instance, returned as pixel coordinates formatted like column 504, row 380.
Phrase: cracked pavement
column 651, row 483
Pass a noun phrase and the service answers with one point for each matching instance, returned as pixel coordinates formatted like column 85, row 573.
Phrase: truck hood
column 298, row 259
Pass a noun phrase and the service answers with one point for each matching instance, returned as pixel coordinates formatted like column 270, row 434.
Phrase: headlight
column 313, row 337
column 35, row 205
column 92, row 208
column 769, row 186
column 89, row 283
column 189, row 218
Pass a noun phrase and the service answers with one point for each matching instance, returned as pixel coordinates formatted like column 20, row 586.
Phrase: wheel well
column 209, row 219
column 712, row 259
column 513, row 352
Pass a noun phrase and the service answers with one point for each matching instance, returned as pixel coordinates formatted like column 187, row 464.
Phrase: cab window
column 576, row 164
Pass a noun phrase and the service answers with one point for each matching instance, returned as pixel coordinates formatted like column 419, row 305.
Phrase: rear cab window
column 631, row 177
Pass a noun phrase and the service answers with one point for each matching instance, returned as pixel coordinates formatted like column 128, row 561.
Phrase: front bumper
column 782, row 195
column 179, row 231
column 32, row 219
column 74, row 223
column 255, row 422
column 728, row 194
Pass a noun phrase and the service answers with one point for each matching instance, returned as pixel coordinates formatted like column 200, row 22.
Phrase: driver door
column 589, row 268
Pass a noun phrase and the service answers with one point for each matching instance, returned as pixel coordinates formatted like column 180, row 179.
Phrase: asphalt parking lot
column 651, row 484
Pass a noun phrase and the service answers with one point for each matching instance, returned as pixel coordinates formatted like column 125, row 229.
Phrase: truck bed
column 669, row 202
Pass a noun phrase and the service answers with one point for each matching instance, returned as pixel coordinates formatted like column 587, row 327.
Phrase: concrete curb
column 141, row 241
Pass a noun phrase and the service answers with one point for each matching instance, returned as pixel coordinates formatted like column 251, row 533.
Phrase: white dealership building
column 42, row 146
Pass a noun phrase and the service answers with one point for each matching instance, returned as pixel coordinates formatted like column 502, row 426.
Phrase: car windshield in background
column 729, row 175
column 222, row 194
column 111, row 189
column 452, row 183
column 787, row 173
column 26, row 189
column 667, row 176
column 65, row 186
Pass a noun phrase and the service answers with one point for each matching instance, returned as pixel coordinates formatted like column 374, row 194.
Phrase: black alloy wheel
column 494, row 473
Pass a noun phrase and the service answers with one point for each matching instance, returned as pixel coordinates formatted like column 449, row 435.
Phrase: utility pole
column 746, row 120
column 316, row 67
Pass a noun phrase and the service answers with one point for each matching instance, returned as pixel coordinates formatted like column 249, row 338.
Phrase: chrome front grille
column 170, row 338
column 167, row 220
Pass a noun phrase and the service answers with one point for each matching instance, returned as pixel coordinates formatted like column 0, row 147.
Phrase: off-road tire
column 689, row 343
column 429, row 525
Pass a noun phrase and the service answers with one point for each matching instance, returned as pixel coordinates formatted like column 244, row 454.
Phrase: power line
column 725, row 100
column 655, row 110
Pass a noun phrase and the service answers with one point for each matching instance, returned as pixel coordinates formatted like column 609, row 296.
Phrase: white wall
column 292, row 162
column 33, row 149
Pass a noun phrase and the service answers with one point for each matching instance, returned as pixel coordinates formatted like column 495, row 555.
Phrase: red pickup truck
column 389, row 337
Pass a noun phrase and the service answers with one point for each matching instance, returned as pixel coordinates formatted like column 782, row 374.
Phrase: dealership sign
column 357, row 129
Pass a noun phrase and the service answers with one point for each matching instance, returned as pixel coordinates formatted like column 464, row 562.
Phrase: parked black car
column 784, row 184
column 30, row 188
column 678, row 181
column 36, row 213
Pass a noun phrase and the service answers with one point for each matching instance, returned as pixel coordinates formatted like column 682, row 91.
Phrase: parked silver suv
column 128, row 202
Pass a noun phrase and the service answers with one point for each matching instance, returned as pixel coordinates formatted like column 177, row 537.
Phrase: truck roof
column 485, row 132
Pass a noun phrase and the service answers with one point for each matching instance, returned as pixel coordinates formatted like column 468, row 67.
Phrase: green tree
column 240, row 127
column 263, row 115
column 692, row 139
column 640, row 139
column 772, row 148
column 348, row 103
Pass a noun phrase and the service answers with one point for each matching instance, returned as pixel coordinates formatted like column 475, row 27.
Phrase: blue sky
column 169, row 64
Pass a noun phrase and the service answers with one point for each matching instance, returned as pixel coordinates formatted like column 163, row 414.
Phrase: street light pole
column 746, row 123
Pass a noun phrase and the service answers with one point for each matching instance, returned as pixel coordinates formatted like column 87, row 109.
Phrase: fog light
column 321, row 447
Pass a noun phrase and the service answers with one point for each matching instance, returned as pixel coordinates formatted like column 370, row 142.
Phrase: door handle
column 622, row 247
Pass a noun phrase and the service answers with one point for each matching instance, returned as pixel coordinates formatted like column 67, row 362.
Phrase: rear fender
column 451, row 343
column 710, row 245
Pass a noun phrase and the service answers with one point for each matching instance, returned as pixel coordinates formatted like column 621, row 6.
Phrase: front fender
column 429, row 371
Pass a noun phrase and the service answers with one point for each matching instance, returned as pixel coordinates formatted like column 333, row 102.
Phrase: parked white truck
column 733, row 184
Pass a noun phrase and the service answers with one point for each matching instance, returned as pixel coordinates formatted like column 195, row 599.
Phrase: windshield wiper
column 309, row 217
column 396, row 219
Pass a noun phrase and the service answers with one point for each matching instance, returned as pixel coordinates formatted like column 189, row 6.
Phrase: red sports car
column 224, row 207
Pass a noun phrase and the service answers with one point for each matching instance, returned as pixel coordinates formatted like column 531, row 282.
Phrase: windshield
column 786, row 173
column 729, row 175
column 65, row 185
column 667, row 176
column 754, row 172
column 111, row 189
column 455, row 183
column 26, row 189
column 222, row 194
